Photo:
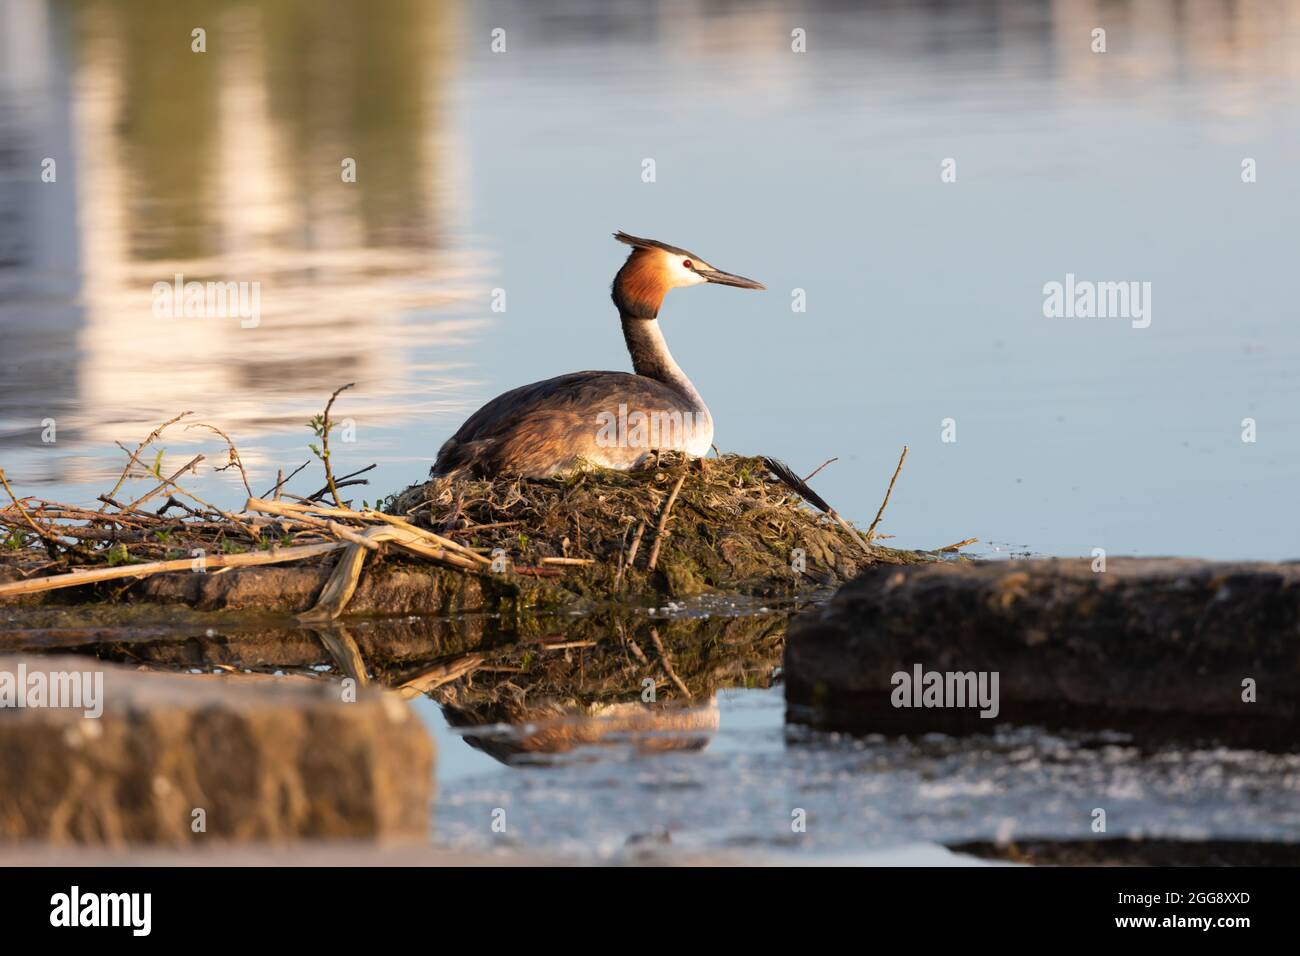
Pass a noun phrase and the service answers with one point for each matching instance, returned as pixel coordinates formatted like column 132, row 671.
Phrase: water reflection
column 548, row 718
column 226, row 166
column 637, row 685
column 522, row 691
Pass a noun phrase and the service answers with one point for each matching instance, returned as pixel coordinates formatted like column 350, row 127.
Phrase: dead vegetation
column 678, row 527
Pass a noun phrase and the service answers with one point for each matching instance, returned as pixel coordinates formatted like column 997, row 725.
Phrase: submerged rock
column 1121, row 851
column 1153, row 647
column 186, row 759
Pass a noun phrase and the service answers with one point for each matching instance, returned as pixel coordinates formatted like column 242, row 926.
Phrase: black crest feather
column 640, row 243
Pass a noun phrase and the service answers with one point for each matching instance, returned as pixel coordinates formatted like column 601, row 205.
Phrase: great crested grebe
column 609, row 419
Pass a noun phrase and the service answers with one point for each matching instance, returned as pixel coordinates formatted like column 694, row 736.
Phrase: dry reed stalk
column 888, row 491
column 298, row 510
column 280, row 482
column 288, row 511
column 342, row 583
column 483, row 527
column 636, row 544
column 95, row 575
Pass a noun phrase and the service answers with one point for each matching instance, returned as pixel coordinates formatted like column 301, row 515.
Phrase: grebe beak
column 726, row 278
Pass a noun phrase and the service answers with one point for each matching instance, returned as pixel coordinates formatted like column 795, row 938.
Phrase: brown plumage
column 606, row 419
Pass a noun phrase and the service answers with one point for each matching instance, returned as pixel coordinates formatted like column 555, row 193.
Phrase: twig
column 959, row 545
column 44, row 534
column 325, row 441
column 165, row 481
column 342, row 483
column 483, row 527
column 812, row 474
column 189, row 494
column 234, row 453
column 663, row 523
column 152, row 436
column 888, row 492
column 636, row 543
column 536, row 572
column 280, row 483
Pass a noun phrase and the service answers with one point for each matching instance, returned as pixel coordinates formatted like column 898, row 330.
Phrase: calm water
column 820, row 171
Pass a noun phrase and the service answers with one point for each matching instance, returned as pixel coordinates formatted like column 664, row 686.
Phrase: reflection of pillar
column 251, row 156
column 41, row 218
column 129, row 358
column 97, row 99
column 246, row 188
column 39, row 256
column 1228, row 51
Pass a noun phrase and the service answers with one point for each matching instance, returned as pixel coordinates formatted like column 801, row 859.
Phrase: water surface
column 817, row 171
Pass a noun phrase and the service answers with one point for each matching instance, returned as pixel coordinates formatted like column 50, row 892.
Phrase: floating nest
column 679, row 527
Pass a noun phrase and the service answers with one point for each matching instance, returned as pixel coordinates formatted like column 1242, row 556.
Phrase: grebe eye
column 687, row 263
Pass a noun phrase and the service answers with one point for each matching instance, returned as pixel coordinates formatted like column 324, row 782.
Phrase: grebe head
column 654, row 267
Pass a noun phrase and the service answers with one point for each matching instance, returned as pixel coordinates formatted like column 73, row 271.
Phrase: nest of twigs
column 677, row 527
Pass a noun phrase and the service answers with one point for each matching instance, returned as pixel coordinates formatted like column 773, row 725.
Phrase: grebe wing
column 528, row 430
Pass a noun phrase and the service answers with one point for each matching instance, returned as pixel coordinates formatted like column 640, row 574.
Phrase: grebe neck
column 651, row 358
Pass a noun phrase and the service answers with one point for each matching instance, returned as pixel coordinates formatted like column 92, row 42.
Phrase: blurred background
column 817, row 171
